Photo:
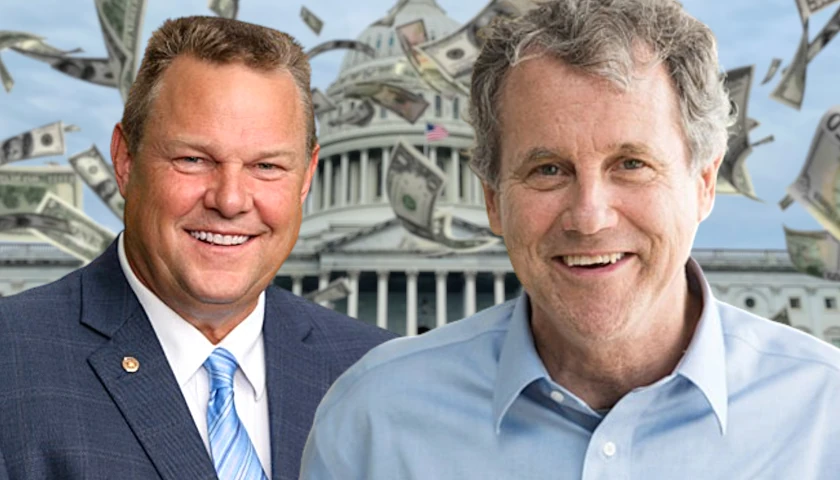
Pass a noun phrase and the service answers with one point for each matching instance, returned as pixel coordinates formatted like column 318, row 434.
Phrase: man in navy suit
column 113, row 371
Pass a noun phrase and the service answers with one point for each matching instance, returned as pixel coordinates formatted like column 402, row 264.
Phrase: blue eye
column 549, row 169
column 632, row 164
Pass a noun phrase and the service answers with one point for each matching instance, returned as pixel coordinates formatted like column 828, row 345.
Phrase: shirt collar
column 186, row 348
column 703, row 363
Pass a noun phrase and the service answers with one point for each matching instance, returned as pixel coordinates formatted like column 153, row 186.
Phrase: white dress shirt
column 186, row 349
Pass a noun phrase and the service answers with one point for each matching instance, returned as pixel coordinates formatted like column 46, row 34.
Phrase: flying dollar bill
column 414, row 184
column 791, row 89
column 6, row 77
column 122, row 23
column 771, row 71
column 321, row 103
column 733, row 177
column 40, row 142
column 23, row 188
column 360, row 115
column 455, row 54
column 93, row 70
column 86, row 240
column 341, row 45
column 764, row 141
column 407, row 105
column 818, row 186
column 781, row 316
column 828, row 32
column 336, row 290
column 810, row 7
column 94, row 170
column 815, row 253
column 388, row 20
column 10, row 38
column 412, row 34
column 17, row 221
column 311, row 20
column 224, row 8
column 752, row 124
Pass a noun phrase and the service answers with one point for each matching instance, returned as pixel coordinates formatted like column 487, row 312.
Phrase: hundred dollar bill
column 733, row 177
column 815, row 253
column 6, row 77
column 122, row 24
column 791, row 89
column 341, row 44
column 87, row 239
column 23, row 188
column 455, row 54
column 360, row 115
column 774, row 66
column 828, row 32
column 72, row 128
column 810, row 7
column 224, row 8
column 16, row 221
column 39, row 142
column 93, row 70
column 41, row 47
column 321, row 103
column 97, row 174
column 336, row 290
column 412, row 34
column 311, row 20
column 407, row 105
column 818, row 186
column 764, row 141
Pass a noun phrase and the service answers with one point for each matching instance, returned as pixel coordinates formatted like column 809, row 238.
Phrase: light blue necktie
column 233, row 453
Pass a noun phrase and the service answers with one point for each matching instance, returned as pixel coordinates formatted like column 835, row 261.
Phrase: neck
column 601, row 371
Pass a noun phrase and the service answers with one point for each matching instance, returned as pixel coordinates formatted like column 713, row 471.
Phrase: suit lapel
column 297, row 375
column 150, row 398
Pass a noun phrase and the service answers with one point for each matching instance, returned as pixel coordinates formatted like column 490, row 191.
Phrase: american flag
column 435, row 132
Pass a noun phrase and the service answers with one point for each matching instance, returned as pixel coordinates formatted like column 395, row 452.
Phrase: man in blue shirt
column 600, row 128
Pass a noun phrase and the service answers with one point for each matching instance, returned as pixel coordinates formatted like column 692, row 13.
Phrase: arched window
column 456, row 108
column 438, row 106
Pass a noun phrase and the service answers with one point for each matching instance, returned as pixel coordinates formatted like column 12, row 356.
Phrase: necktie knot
column 221, row 366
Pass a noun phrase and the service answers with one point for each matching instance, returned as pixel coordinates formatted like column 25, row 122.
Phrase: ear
column 707, row 183
column 491, row 201
column 121, row 158
column 310, row 172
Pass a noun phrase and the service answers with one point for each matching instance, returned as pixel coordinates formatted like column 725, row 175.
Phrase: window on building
column 378, row 41
column 383, row 112
column 391, row 41
column 456, row 109
column 352, row 105
column 438, row 106
column 830, row 303
column 795, row 303
column 832, row 336
column 749, row 302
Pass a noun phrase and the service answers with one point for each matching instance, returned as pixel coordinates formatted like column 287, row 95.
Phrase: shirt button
column 609, row 449
column 557, row 396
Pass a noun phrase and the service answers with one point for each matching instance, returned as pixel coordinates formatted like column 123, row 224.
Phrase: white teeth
column 581, row 260
column 219, row 239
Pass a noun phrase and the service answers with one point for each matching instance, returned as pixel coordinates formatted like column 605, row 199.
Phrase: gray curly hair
column 598, row 37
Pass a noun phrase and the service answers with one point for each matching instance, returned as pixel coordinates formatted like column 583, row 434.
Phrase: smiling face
column 597, row 202
column 214, row 195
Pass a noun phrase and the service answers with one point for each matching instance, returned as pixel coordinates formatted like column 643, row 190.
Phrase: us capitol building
column 403, row 283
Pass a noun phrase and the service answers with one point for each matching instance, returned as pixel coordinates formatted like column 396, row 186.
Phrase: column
column 353, row 298
column 354, row 184
column 382, row 299
column 411, row 303
column 440, row 297
column 498, row 287
column 315, row 191
column 328, row 178
column 323, row 281
column 297, row 284
column 469, row 293
column 342, row 178
column 386, row 162
column 477, row 195
column 466, row 184
column 364, row 195
column 453, row 175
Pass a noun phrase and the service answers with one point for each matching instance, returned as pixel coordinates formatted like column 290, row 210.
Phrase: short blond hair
column 220, row 41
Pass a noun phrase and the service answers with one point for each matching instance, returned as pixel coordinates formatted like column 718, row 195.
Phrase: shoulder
column 42, row 305
column 459, row 350
column 774, row 345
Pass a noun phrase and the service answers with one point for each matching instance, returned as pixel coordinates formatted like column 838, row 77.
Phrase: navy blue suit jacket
column 69, row 410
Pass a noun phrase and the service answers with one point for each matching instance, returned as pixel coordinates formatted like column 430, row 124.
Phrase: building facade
column 406, row 284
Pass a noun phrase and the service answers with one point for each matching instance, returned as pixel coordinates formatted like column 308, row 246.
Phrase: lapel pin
column 130, row 364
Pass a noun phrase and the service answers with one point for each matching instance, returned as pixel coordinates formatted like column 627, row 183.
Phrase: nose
column 229, row 193
column 590, row 207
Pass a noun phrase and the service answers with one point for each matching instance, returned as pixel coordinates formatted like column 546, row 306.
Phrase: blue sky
column 749, row 32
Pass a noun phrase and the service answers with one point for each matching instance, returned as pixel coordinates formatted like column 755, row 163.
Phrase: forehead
column 544, row 100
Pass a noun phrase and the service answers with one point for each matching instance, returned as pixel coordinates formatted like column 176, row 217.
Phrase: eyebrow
column 539, row 153
column 205, row 146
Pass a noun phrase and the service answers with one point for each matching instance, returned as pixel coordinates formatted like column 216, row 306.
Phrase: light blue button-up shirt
column 750, row 399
